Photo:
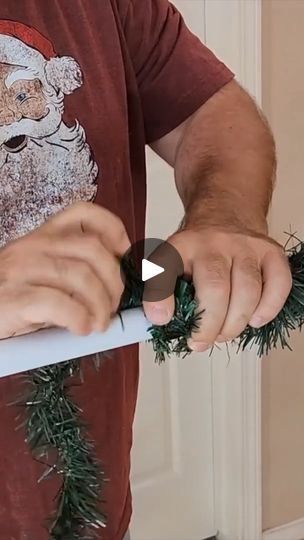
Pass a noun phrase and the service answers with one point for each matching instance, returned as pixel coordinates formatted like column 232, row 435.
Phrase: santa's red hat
column 24, row 46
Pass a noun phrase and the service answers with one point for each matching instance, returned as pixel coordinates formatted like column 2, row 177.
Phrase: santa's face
column 29, row 109
column 45, row 165
column 19, row 99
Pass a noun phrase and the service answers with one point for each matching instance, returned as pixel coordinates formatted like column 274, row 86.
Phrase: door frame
column 233, row 31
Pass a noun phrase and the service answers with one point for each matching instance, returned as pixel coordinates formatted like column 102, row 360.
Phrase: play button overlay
column 158, row 265
column 150, row 270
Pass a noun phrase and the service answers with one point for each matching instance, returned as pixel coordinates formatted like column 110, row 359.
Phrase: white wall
column 283, row 372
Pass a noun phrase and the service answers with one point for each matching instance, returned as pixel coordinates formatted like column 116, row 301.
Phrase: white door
column 173, row 473
column 172, row 457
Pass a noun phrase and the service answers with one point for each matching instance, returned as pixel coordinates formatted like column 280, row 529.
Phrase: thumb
column 160, row 312
column 158, row 296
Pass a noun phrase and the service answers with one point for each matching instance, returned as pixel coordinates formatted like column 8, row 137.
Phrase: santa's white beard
column 46, row 126
column 48, row 175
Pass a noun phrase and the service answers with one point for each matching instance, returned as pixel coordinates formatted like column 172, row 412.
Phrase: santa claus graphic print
column 45, row 165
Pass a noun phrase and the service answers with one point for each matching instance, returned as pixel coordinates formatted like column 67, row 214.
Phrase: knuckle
column 217, row 268
column 218, row 285
column 249, row 266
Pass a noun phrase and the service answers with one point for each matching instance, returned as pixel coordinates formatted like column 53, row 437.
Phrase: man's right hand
column 65, row 274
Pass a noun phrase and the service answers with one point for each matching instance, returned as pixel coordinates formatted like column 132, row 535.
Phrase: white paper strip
column 55, row 345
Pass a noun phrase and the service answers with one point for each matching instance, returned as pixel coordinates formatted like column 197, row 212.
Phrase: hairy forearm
column 225, row 164
column 224, row 160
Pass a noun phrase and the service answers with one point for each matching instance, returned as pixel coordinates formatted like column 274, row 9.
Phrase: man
column 84, row 85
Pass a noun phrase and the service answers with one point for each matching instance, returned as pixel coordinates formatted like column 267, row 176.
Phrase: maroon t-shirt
column 84, row 85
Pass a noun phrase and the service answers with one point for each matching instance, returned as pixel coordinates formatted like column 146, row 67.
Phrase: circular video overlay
column 158, row 264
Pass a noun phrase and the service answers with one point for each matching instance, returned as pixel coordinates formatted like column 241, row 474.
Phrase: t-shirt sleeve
column 175, row 72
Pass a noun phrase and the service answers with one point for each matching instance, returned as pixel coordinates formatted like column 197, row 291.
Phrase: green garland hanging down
column 56, row 433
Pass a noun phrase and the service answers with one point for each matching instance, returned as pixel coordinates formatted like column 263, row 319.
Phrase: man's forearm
column 224, row 159
column 225, row 164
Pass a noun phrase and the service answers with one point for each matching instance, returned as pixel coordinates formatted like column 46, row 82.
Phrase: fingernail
column 159, row 315
column 198, row 346
column 257, row 322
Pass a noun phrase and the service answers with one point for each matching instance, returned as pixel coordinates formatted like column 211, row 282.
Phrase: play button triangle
column 150, row 270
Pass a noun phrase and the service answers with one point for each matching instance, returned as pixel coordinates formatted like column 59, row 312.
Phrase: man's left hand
column 239, row 279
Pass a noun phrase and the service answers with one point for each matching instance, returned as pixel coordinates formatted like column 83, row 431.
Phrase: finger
column 211, row 278
column 160, row 312
column 44, row 306
column 89, row 249
column 277, row 283
column 91, row 218
column 28, row 329
column 76, row 279
column 158, row 296
column 246, row 289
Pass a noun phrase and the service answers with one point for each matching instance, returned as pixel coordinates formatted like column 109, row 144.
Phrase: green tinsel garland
column 56, row 433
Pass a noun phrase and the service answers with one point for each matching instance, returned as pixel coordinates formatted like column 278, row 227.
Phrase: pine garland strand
column 55, row 430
